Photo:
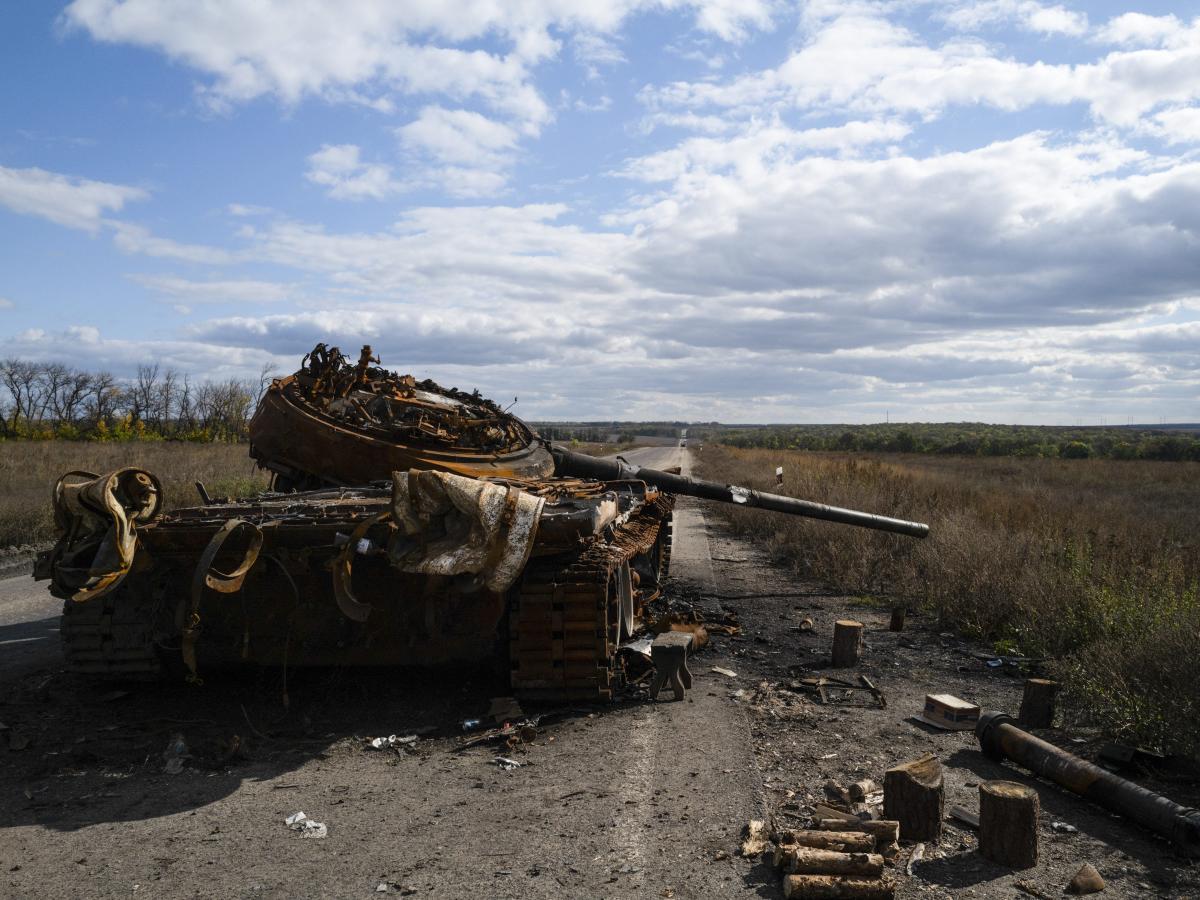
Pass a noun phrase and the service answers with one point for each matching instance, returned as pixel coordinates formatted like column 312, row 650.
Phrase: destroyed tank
column 407, row 525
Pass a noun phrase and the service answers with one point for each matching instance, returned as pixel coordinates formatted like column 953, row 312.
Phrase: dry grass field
column 29, row 469
column 1093, row 562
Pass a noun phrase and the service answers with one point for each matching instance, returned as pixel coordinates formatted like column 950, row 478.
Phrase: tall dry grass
column 1093, row 562
column 29, row 469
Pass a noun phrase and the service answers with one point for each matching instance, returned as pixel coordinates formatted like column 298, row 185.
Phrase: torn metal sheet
column 451, row 525
column 98, row 517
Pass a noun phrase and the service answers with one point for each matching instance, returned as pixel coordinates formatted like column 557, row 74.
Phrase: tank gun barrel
column 567, row 462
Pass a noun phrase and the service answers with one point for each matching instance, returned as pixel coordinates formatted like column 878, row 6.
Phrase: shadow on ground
column 75, row 753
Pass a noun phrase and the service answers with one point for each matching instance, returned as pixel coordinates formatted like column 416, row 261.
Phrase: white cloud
column 595, row 51
column 63, row 199
column 246, row 209
column 863, row 63
column 1177, row 126
column 136, row 239
column 464, row 152
column 1028, row 14
column 1141, row 30
column 362, row 51
column 458, row 255
column 758, row 143
column 215, row 291
column 459, row 136
column 339, row 168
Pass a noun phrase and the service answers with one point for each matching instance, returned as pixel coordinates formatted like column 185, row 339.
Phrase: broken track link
column 564, row 620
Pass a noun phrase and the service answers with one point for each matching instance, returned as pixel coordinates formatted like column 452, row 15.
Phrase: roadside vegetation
column 29, row 470
column 1095, row 563
column 54, row 401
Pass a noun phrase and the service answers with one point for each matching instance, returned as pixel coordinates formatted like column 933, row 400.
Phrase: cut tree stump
column 1037, row 704
column 847, row 643
column 834, row 887
column 1008, row 823
column 914, row 795
column 897, row 623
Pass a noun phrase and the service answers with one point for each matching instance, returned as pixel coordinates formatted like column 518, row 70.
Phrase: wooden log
column 832, row 887
column 1037, row 703
column 755, row 837
column 883, row 830
column 897, row 623
column 914, row 795
column 843, row 841
column 1008, row 823
column 861, row 790
column 811, row 861
column 847, row 643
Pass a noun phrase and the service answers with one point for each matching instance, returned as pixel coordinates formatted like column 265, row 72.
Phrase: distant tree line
column 601, row 432
column 976, row 439
column 41, row 400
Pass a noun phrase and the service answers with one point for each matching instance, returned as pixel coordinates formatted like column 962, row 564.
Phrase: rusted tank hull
column 358, row 577
column 298, row 443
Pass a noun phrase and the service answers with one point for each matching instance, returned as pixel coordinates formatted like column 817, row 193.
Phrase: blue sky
column 735, row 209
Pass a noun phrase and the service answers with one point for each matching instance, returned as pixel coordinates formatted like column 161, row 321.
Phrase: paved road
column 691, row 559
column 28, row 625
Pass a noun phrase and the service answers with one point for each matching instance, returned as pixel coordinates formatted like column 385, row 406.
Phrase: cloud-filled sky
column 744, row 210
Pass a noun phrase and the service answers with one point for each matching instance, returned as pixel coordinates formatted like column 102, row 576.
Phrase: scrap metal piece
column 1000, row 738
column 207, row 575
column 343, row 592
column 454, row 525
column 97, row 517
column 824, row 683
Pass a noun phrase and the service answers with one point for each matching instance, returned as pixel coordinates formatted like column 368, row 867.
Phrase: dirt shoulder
column 801, row 745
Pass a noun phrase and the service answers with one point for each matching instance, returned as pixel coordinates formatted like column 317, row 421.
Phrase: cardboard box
column 949, row 713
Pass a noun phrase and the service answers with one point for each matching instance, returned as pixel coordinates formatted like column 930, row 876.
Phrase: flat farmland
column 1091, row 562
column 29, row 470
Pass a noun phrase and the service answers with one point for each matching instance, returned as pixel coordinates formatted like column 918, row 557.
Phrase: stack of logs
column 838, row 859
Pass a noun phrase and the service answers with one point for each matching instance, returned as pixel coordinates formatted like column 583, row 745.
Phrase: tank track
column 564, row 620
column 112, row 636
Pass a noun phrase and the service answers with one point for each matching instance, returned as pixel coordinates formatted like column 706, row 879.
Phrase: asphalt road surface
column 28, row 625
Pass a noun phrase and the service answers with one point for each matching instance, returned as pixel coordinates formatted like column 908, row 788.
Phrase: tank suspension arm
column 567, row 462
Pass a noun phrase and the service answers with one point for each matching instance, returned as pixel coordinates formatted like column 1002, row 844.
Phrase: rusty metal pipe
column 567, row 462
column 999, row 738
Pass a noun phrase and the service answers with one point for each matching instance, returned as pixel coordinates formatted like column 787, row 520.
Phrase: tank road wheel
column 623, row 585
